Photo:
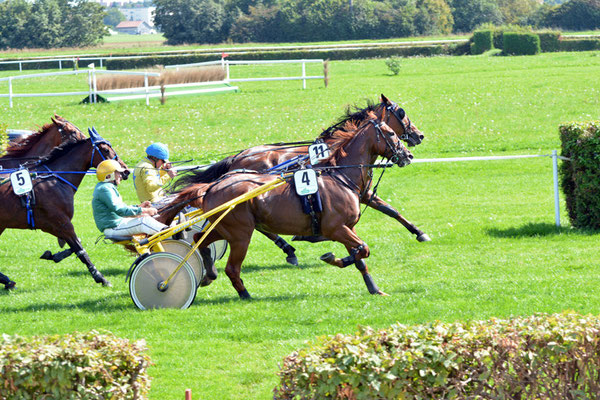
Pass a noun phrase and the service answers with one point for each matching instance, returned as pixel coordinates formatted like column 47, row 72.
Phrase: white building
column 145, row 14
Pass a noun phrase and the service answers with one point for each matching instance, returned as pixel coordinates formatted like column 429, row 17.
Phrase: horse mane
column 353, row 114
column 22, row 145
column 55, row 153
column 340, row 138
column 203, row 176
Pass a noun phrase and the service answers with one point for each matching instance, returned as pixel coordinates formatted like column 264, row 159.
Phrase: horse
column 40, row 143
column 261, row 158
column 342, row 184
column 49, row 206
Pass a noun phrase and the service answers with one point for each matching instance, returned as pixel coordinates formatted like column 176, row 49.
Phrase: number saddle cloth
column 311, row 205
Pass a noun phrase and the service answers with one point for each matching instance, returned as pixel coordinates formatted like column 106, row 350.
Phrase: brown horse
column 341, row 186
column 49, row 206
column 40, row 143
column 261, row 158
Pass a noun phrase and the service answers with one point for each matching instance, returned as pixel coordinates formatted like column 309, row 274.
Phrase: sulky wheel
column 218, row 249
column 182, row 248
column 151, row 271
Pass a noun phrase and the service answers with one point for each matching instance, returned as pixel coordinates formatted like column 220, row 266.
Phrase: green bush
column 580, row 178
column 538, row 357
column 549, row 41
column 578, row 44
column 393, row 64
column 78, row 366
column 518, row 44
column 3, row 138
column 483, row 41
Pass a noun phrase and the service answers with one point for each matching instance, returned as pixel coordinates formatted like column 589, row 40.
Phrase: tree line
column 50, row 23
column 66, row 23
column 215, row 21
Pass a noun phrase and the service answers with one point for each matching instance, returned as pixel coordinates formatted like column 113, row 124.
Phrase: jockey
column 111, row 214
column 152, row 173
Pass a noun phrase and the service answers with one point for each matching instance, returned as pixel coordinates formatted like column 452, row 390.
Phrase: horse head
column 67, row 130
column 393, row 149
column 410, row 133
column 102, row 150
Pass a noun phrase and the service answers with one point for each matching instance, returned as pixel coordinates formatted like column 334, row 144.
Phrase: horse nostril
column 410, row 156
column 421, row 137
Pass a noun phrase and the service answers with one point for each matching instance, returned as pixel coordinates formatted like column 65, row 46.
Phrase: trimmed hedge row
column 519, row 44
column 483, row 41
column 338, row 54
column 580, row 178
column 78, row 366
column 539, row 357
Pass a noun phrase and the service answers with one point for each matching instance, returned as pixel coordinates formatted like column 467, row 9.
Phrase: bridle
column 394, row 148
column 96, row 139
column 400, row 114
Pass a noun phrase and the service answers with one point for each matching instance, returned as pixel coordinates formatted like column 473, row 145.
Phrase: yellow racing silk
column 149, row 181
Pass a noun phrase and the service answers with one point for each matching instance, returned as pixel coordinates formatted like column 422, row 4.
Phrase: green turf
column 495, row 249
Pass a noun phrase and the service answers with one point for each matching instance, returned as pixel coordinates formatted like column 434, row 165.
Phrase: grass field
column 495, row 250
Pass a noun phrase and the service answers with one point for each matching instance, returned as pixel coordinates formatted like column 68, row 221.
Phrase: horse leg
column 378, row 204
column 283, row 245
column 237, row 253
column 5, row 280
column 58, row 257
column 76, row 247
column 357, row 250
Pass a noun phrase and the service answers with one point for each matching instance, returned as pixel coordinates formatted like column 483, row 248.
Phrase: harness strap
column 30, row 220
column 60, row 178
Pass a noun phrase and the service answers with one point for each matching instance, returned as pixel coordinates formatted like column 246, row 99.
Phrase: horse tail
column 210, row 174
column 191, row 195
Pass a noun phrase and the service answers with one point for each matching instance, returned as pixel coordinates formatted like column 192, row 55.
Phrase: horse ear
column 90, row 132
column 384, row 99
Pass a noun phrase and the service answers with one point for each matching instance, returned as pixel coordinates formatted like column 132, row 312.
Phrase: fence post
column 303, row 75
column 555, row 178
column 146, row 87
column 100, row 62
column 20, row 66
column 227, row 70
column 90, row 85
column 59, row 64
column 10, row 100
column 95, row 84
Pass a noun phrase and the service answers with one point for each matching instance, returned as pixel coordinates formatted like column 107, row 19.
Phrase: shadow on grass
column 251, row 268
column 533, row 230
column 107, row 304
column 108, row 272
column 234, row 299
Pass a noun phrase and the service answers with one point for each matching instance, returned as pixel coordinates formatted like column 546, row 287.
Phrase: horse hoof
column 423, row 237
column 205, row 281
column 328, row 258
column 105, row 282
column 10, row 285
column 47, row 255
column 244, row 295
column 292, row 260
column 379, row 292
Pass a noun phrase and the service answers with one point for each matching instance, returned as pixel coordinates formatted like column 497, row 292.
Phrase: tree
column 468, row 14
column 113, row 17
column 517, row 11
column 13, row 31
column 433, row 17
column 192, row 21
column 574, row 15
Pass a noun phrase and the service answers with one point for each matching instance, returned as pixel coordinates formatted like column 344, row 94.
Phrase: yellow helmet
column 106, row 169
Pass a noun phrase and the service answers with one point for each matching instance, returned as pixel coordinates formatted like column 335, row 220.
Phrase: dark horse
column 261, row 158
column 40, row 143
column 342, row 184
column 55, row 179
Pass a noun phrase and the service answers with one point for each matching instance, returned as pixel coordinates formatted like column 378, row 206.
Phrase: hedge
column 516, row 43
column 578, row 45
column 580, row 178
column 89, row 365
column 483, row 40
column 337, row 54
column 539, row 357
column 549, row 41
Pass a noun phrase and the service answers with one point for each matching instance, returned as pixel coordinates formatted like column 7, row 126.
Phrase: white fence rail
column 225, row 64
column 156, row 91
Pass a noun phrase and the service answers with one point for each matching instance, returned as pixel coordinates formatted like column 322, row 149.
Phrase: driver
column 112, row 216
column 152, row 173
